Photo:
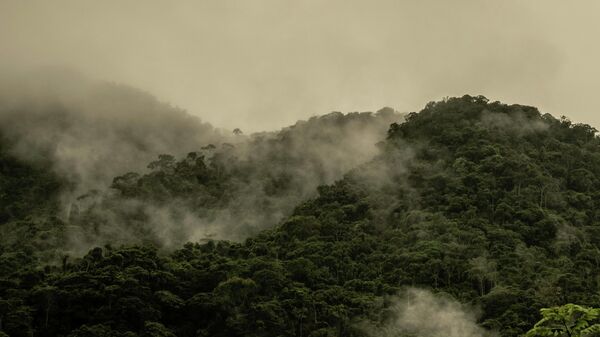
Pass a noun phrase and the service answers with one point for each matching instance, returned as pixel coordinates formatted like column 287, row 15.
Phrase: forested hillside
column 230, row 191
column 85, row 163
column 481, row 212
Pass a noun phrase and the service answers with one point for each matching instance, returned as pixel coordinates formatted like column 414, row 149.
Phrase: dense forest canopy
column 472, row 217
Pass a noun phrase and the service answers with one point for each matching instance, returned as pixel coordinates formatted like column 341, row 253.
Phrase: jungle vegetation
column 494, row 205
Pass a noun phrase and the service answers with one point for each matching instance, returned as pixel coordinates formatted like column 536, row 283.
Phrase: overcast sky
column 263, row 64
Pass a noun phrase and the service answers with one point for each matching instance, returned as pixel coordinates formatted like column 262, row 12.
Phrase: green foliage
column 99, row 330
column 569, row 320
column 495, row 205
column 154, row 329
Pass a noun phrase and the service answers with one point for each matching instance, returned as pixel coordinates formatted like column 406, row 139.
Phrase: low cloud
column 261, row 179
column 515, row 123
column 421, row 313
column 90, row 131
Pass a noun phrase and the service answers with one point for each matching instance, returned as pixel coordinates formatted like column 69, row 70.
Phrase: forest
column 469, row 218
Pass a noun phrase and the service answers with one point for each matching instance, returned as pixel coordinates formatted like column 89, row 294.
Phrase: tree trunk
column 481, row 285
column 47, row 314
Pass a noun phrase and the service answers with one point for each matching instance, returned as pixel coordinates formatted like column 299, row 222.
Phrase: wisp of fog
column 89, row 132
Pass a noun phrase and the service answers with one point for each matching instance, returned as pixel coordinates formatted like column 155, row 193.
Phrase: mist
column 421, row 313
column 263, row 177
column 90, row 131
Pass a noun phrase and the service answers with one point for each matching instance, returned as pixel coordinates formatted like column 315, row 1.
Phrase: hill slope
column 494, row 205
column 232, row 191
column 64, row 138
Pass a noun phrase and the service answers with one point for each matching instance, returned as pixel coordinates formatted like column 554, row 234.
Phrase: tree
column 569, row 320
column 155, row 329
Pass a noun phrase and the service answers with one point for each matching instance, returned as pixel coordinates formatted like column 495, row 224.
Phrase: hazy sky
column 262, row 64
